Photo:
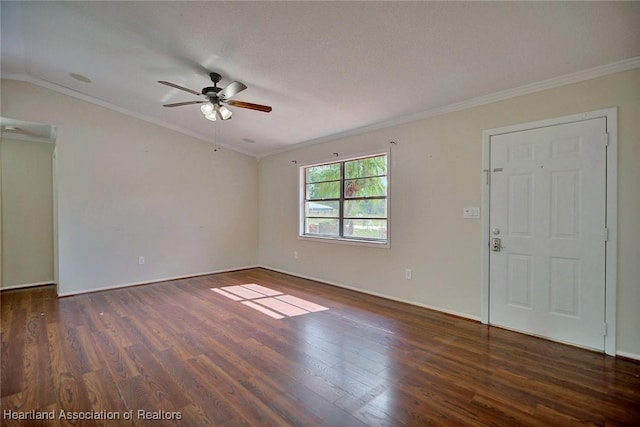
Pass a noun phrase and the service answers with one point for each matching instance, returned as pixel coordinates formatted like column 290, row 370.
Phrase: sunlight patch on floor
column 269, row 301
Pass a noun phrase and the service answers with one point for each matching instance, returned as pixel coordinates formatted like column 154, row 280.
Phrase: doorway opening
column 27, row 204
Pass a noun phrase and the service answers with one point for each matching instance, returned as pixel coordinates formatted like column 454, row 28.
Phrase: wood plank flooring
column 189, row 356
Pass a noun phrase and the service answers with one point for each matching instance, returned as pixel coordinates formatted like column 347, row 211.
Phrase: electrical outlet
column 140, row 260
column 295, row 254
column 408, row 274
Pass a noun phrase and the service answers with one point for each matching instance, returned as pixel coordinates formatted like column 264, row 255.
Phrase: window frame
column 302, row 186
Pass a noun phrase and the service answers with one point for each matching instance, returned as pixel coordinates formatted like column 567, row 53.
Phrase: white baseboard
column 628, row 355
column 377, row 294
column 28, row 285
column 148, row 282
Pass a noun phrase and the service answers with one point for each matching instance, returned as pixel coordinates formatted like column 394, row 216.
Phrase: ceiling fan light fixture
column 207, row 109
column 213, row 117
column 224, row 112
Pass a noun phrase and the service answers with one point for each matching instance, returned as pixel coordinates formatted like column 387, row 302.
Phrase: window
column 346, row 200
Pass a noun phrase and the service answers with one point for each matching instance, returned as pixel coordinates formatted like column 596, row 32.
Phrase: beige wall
column 128, row 188
column 436, row 171
column 27, row 212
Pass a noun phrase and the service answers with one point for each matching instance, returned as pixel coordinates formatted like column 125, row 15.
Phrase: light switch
column 472, row 212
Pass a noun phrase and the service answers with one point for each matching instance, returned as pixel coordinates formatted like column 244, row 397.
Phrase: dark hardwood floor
column 179, row 347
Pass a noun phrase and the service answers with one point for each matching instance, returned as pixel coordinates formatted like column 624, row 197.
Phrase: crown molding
column 78, row 95
column 577, row 77
column 580, row 76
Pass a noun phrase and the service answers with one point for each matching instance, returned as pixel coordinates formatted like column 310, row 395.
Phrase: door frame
column 611, row 116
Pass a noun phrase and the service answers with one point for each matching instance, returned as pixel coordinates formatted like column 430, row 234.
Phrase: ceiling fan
column 214, row 98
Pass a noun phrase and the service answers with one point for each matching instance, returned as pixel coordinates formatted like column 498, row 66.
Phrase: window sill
column 351, row 242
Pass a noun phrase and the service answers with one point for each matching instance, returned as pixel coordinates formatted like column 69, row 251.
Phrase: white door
column 547, row 207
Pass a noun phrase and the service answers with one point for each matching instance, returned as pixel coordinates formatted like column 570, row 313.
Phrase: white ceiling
column 326, row 68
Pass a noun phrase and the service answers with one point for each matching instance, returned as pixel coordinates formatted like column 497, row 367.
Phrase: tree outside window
column 347, row 199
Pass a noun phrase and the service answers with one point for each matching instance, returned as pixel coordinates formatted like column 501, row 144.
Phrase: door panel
column 520, row 204
column 519, row 280
column 547, row 205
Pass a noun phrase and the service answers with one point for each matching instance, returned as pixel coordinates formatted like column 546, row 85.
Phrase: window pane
column 366, row 187
column 376, row 208
column 329, row 172
column 321, row 226
column 325, row 209
column 365, row 228
column 323, row 190
column 362, row 168
column 347, row 199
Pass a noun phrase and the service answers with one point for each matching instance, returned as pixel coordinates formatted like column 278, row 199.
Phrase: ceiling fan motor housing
column 211, row 90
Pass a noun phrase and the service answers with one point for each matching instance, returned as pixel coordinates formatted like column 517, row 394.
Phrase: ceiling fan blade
column 179, row 104
column 250, row 106
column 173, row 85
column 231, row 90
